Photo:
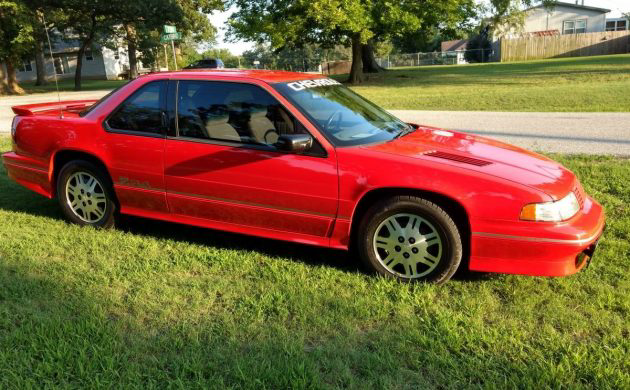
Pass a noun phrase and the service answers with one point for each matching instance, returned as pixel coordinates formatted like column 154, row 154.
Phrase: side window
column 142, row 111
column 233, row 112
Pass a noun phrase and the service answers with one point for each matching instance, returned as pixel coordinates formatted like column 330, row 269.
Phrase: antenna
column 52, row 58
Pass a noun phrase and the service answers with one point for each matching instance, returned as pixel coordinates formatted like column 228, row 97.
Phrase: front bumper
column 537, row 248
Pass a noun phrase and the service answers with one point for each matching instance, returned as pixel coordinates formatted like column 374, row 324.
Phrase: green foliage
column 229, row 60
column 16, row 30
column 478, row 48
column 330, row 22
column 305, row 58
column 160, row 305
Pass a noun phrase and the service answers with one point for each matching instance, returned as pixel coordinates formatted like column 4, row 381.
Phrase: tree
column 89, row 22
column 355, row 23
column 16, row 41
column 141, row 23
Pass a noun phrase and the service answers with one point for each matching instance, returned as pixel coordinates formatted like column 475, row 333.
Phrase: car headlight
column 557, row 211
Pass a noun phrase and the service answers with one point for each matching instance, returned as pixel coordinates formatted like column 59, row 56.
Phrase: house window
column 88, row 56
column 616, row 25
column 26, row 66
column 574, row 26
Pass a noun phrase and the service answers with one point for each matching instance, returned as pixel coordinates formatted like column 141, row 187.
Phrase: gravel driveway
column 593, row 133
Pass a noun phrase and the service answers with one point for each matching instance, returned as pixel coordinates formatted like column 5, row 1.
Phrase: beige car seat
column 219, row 128
column 262, row 128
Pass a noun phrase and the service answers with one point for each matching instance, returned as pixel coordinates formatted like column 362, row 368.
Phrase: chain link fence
column 437, row 58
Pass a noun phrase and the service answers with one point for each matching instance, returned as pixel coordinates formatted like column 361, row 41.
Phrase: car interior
column 231, row 112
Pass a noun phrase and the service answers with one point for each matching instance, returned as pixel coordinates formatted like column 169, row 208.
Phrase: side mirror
column 296, row 143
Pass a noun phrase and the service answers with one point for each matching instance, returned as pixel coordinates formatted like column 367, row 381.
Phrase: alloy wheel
column 407, row 245
column 86, row 197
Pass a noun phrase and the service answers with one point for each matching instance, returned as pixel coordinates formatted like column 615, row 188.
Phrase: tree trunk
column 369, row 61
column 40, row 64
column 356, row 71
column 14, row 87
column 4, row 86
column 39, row 32
column 131, row 51
column 77, row 71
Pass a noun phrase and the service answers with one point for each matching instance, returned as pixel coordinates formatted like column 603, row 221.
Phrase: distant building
column 559, row 19
column 98, row 62
column 617, row 24
column 456, row 50
column 562, row 18
column 456, row 45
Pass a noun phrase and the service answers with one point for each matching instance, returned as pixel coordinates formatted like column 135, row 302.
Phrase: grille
column 458, row 158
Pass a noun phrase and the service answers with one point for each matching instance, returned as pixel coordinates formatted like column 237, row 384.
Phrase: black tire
column 107, row 208
column 432, row 218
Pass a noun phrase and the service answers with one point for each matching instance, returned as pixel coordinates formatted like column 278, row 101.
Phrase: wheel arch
column 453, row 208
column 64, row 156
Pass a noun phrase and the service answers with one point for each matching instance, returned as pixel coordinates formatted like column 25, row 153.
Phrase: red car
column 301, row 158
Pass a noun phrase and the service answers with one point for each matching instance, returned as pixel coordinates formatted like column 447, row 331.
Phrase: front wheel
column 85, row 194
column 410, row 238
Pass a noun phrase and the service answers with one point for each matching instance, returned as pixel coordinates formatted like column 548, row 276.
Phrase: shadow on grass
column 14, row 197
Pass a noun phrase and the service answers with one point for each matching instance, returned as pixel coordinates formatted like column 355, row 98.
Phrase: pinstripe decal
column 537, row 239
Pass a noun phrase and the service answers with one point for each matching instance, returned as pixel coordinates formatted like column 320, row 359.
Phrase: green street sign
column 165, row 38
column 169, row 29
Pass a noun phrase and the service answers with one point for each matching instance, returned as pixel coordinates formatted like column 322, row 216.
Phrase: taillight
column 14, row 126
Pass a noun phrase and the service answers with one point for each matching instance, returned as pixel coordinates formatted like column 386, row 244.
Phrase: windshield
column 344, row 117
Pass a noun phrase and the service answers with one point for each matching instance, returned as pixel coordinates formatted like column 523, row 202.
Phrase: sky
column 219, row 19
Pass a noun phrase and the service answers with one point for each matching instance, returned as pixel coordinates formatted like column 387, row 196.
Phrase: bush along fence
column 573, row 45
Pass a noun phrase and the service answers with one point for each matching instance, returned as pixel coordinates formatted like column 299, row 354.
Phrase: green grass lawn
column 155, row 304
column 570, row 84
column 68, row 85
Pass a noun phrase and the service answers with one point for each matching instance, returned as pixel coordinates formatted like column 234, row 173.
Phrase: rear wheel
column 410, row 238
column 85, row 194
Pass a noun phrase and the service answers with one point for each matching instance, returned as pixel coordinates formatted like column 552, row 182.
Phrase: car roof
column 270, row 76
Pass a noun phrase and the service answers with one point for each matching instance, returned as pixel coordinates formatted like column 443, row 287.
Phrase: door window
column 232, row 112
column 142, row 112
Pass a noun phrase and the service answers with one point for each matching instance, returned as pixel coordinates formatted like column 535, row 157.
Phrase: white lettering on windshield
column 301, row 85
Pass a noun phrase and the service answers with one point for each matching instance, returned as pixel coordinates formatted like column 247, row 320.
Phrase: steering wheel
column 330, row 120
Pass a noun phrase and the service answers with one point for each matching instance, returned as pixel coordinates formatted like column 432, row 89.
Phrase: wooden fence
column 574, row 45
column 336, row 67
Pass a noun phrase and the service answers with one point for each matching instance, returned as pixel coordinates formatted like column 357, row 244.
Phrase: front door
column 135, row 137
column 222, row 165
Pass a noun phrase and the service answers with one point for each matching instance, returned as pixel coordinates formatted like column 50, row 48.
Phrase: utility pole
column 166, row 57
column 174, row 56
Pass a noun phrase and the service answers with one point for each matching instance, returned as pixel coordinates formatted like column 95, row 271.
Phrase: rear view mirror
column 296, row 143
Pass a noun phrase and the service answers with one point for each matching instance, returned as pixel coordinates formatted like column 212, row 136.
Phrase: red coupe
column 301, row 158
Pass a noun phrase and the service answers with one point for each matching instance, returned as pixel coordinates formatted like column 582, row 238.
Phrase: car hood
column 484, row 155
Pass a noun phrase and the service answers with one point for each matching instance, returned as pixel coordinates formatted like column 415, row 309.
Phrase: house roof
column 573, row 5
column 459, row 44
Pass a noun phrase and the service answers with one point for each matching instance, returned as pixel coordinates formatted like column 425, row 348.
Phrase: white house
column 562, row 18
column 98, row 63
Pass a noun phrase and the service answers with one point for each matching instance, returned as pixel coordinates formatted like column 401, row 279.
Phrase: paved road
column 594, row 133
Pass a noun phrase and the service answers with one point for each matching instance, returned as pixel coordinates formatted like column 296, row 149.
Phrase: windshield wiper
column 404, row 132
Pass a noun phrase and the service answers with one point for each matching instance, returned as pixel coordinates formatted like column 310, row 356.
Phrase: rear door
column 221, row 164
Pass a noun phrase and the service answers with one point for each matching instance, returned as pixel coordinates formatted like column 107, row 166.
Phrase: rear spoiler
column 69, row 105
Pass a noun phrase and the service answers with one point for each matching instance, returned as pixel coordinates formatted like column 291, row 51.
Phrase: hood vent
column 458, row 158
